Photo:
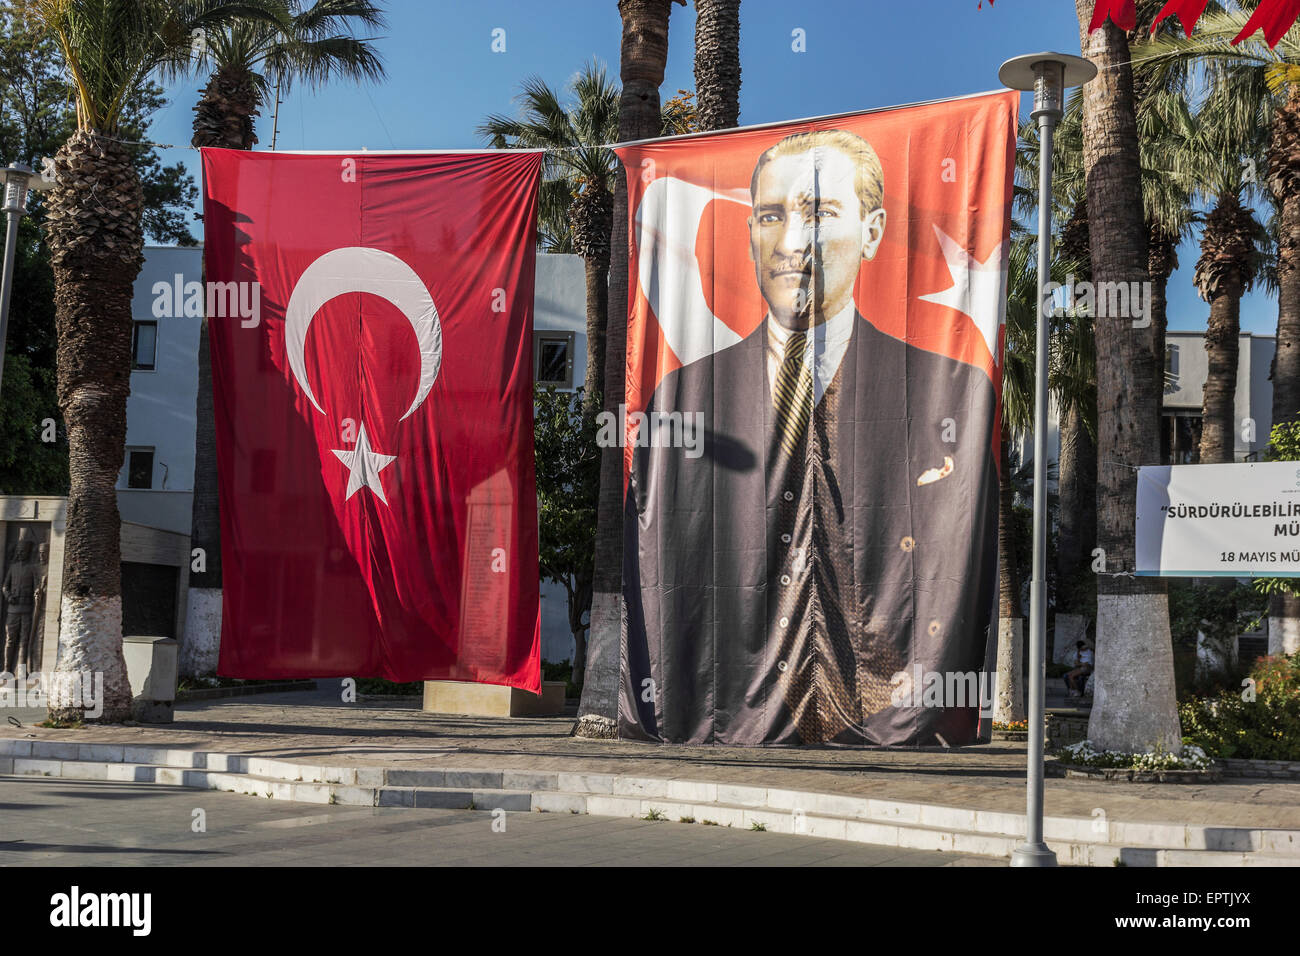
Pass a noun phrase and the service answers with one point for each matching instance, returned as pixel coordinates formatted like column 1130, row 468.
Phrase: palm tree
column 93, row 226
column 1232, row 251
column 1279, row 69
column 1135, row 709
column 251, row 57
column 643, row 56
column 256, row 57
column 1071, row 383
column 1076, row 409
column 576, row 211
column 1166, row 200
column 1017, row 419
column 717, row 63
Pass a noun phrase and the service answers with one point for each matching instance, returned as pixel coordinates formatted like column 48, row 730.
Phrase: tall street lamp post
column 19, row 182
column 1048, row 75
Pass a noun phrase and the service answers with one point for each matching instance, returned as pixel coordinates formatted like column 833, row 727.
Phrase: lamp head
column 20, row 181
column 1048, row 75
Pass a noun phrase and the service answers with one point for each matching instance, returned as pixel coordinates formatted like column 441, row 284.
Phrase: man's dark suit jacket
column 699, row 568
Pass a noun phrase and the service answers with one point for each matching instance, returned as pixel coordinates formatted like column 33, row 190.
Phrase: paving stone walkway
column 317, row 728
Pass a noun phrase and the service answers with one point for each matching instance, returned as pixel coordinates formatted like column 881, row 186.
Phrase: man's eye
column 826, row 214
column 769, row 217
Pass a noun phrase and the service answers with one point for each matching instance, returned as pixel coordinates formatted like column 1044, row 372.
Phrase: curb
column 1247, row 767
column 1129, row 775
column 1076, row 840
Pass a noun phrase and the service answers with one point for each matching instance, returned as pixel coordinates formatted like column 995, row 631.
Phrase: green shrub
column 378, row 687
column 1257, row 722
column 562, row 670
column 1283, row 445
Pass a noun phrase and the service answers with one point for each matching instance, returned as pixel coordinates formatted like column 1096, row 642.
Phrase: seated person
column 1077, row 678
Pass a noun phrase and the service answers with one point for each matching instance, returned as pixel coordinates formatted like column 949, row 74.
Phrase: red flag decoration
column 813, row 349
column 1274, row 17
column 1187, row 11
column 1122, row 12
column 374, row 413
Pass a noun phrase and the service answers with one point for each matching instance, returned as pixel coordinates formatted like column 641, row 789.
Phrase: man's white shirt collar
column 826, row 346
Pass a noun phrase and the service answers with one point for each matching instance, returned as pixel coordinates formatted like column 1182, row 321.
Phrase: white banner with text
column 1239, row 520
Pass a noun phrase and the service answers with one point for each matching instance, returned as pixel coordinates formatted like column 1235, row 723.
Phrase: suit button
column 785, row 622
column 785, row 579
column 788, row 496
column 785, row 539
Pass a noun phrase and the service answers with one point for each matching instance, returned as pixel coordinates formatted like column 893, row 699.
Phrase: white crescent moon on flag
column 668, row 273
column 361, row 269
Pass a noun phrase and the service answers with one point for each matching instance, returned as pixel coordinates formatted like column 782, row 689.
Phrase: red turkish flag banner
column 370, row 323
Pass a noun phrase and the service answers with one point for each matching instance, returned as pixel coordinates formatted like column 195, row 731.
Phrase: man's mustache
column 803, row 265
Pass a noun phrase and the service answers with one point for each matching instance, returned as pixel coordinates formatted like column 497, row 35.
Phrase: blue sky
column 444, row 78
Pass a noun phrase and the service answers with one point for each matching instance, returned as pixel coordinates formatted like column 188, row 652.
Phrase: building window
column 1180, row 439
column 139, row 467
column 1171, row 369
column 144, row 346
column 553, row 359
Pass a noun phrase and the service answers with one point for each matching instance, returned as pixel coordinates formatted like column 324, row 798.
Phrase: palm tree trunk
column 1077, row 534
column 579, row 605
column 1162, row 260
column 201, row 642
column 223, row 118
column 717, row 63
column 93, row 228
column 597, row 269
column 1135, row 706
column 642, row 58
column 1010, row 699
column 1284, row 181
column 1218, row 406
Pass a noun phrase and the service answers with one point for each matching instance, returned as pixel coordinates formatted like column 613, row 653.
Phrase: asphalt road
column 55, row 822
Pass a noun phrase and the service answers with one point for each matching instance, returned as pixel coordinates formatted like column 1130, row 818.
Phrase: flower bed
column 1084, row 760
column 1084, row 754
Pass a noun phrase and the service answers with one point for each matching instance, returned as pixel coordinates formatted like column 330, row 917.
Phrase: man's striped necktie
column 793, row 394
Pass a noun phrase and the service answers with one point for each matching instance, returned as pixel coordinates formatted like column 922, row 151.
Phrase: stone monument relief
column 23, row 587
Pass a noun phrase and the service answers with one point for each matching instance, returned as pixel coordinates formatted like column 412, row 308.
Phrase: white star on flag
column 365, row 466
column 978, row 288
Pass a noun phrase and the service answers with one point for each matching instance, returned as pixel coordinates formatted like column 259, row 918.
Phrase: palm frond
column 110, row 47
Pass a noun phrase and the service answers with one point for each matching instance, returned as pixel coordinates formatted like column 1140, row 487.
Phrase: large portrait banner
column 811, row 427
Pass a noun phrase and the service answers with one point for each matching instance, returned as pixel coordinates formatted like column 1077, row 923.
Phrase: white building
column 559, row 358
column 1186, row 368
column 156, row 484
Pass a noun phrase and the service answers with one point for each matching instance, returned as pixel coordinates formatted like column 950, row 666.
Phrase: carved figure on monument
column 36, row 632
column 19, row 590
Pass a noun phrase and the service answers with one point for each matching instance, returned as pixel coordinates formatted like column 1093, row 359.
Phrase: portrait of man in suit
column 783, row 584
